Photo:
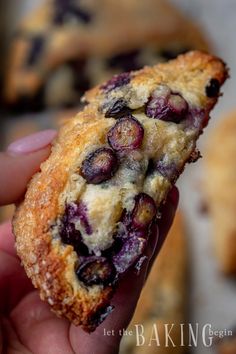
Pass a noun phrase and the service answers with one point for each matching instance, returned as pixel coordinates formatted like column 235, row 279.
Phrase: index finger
column 16, row 172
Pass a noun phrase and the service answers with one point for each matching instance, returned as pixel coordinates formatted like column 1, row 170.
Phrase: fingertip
column 31, row 143
column 17, row 171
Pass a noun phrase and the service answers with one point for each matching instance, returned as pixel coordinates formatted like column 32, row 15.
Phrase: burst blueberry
column 116, row 82
column 166, row 106
column 167, row 169
column 132, row 249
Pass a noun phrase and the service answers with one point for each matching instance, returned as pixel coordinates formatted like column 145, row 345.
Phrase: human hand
column 26, row 323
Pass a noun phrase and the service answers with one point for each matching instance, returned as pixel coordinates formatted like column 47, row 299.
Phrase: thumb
column 21, row 160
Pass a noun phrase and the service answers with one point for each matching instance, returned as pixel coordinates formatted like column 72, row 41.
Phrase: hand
column 26, row 324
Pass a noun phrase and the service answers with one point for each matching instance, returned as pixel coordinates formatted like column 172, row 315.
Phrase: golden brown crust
column 220, row 189
column 164, row 298
column 46, row 265
column 50, row 264
column 201, row 67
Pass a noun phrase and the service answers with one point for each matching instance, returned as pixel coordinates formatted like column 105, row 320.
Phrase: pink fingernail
column 31, row 143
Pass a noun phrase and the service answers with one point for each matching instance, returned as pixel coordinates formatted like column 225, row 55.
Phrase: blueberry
column 117, row 109
column 144, row 211
column 116, row 82
column 178, row 107
column 68, row 233
column 127, row 134
column 132, row 248
column 37, row 46
column 166, row 106
column 78, row 211
column 213, row 88
column 96, row 271
column 81, row 81
column 167, row 169
column 82, row 15
column 172, row 53
column 99, row 165
column 65, row 10
column 126, row 61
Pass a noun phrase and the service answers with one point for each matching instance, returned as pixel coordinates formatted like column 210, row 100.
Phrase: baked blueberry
column 126, row 61
column 166, row 106
column 167, row 169
column 36, row 48
column 132, row 248
column 117, row 109
column 68, row 233
column 67, row 10
column 213, row 88
column 100, row 165
column 116, row 82
column 127, row 134
column 144, row 211
column 96, row 271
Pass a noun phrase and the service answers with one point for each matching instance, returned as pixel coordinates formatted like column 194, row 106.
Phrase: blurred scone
column 227, row 345
column 65, row 47
column 164, row 297
column 220, row 190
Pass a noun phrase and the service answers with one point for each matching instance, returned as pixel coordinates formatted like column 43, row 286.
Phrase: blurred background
column 54, row 50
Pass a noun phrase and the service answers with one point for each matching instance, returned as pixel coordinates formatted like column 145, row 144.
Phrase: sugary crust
column 221, row 171
column 201, row 67
column 46, row 265
column 151, row 23
column 164, row 297
column 50, row 264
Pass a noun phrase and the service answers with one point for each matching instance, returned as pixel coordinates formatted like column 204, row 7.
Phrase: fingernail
column 173, row 195
column 31, row 143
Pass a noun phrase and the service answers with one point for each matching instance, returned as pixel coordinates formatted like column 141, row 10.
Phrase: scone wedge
column 220, row 170
column 88, row 213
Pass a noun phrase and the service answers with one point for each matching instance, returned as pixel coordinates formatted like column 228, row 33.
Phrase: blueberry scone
column 87, row 215
column 164, row 299
column 75, row 44
column 220, row 170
